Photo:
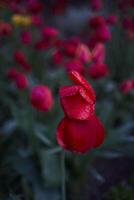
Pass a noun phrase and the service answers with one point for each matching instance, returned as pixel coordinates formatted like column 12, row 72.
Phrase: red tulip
column 98, row 70
column 26, row 37
column 98, row 53
column 111, row 19
column 80, row 130
column 78, row 100
column 42, row 44
column 96, row 22
column 126, row 86
column 5, row 29
column 70, row 49
column 93, row 40
column 57, row 57
column 26, row 67
column 104, row 33
column 80, row 136
column 20, row 58
column 35, row 7
column 75, row 65
column 96, row 4
column 80, row 80
column 36, row 20
column 70, row 46
column 83, row 53
column 50, row 33
column 41, row 98
column 21, row 81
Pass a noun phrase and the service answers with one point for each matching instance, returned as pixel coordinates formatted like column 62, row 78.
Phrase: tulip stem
column 63, row 176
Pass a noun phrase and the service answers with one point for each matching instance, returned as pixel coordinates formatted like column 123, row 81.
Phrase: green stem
column 63, row 176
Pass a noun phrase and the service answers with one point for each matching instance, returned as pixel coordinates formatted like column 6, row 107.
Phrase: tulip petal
column 99, row 53
column 78, row 79
column 76, row 103
column 80, row 136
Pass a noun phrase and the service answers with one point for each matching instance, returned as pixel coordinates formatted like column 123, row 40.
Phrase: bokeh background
column 42, row 41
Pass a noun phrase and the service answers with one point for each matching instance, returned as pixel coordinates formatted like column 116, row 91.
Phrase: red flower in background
column 21, row 81
column 96, row 5
column 75, row 65
column 70, row 46
column 126, row 86
column 98, row 70
column 26, row 67
column 26, row 37
column 5, row 28
column 20, row 58
column 41, row 98
column 42, row 44
column 49, row 38
column 100, row 31
column 18, row 78
column 112, row 19
column 96, row 21
column 78, row 100
column 83, row 53
column 104, row 34
column 36, row 20
column 93, row 40
column 50, row 33
column 57, row 57
column 80, row 136
column 98, row 53
column 35, row 7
